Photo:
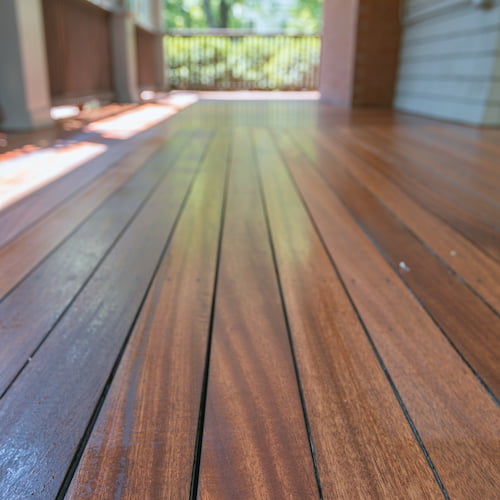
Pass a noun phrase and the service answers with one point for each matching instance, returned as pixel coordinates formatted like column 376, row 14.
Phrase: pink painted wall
column 340, row 18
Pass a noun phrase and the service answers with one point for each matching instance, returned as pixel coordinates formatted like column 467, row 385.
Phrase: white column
column 160, row 68
column 159, row 23
column 24, row 81
column 124, row 56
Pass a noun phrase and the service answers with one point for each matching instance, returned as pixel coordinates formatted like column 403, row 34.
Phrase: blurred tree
column 303, row 16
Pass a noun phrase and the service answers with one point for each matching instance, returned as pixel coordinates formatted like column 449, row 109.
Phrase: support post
column 124, row 55
column 24, row 82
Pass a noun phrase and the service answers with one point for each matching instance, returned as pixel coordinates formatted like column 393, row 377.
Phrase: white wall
column 450, row 61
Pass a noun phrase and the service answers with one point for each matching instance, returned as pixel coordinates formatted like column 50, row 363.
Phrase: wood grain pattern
column 31, row 310
column 419, row 165
column 469, row 141
column 473, row 327
column 255, row 443
column 64, row 380
column 462, row 178
column 144, row 440
column 444, row 399
column 470, row 226
column 19, row 256
column 466, row 259
column 185, row 331
column 357, row 424
column 472, row 170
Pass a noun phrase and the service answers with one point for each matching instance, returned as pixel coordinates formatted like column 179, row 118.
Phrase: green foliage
column 249, row 62
column 303, row 16
column 190, row 14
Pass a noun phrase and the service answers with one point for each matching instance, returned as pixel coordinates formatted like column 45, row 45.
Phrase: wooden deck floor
column 267, row 300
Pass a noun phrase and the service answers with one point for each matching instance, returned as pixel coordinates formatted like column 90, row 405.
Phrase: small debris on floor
column 453, row 253
column 404, row 267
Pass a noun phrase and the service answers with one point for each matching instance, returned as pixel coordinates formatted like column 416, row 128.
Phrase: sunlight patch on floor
column 34, row 167
column 26, row 173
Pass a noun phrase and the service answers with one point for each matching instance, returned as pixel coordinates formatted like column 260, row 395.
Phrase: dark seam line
column 195, row 474
column 408, row 193
column 95, row 414
column 289, row 329
column 91, row 275
column 150, row 158
column 375, row 350
column 422, row 304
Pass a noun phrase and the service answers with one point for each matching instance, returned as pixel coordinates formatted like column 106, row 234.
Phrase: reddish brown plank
column 479, row 271
column 44, row 414
column 483, row 235
column 357, row 424
column 474, row 170
column 30, row 311
column 456, row 418
column 470, row 324
column 255, row 443
column 470, row 139
column 452, row 170
column 420, row 165
column 144, row 439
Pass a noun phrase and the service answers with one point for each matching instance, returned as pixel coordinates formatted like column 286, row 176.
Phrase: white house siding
column 450, row 61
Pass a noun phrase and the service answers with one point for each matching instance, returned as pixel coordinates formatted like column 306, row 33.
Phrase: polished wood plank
column 251, row 334
column 32, row 309
column 21, row 254
column 455, row 417
column 45, row 413
column 480, row 233
column 419, row 165
column 255, row 443
column 474, row 169
column 470, row 139
column 356, row 422
column 480, row 271
column 143, row 443
column 472, row 326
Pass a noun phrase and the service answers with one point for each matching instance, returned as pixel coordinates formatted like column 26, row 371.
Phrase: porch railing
column 237, row 60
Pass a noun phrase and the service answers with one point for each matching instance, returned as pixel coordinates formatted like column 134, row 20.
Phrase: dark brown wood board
column 472, row 326
column 143, row 443
column 482, row 234
column 456, row 418
column 356, row 422
column 31, row 310
column 255, row 443
column 65, row 379
column 481, row 272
